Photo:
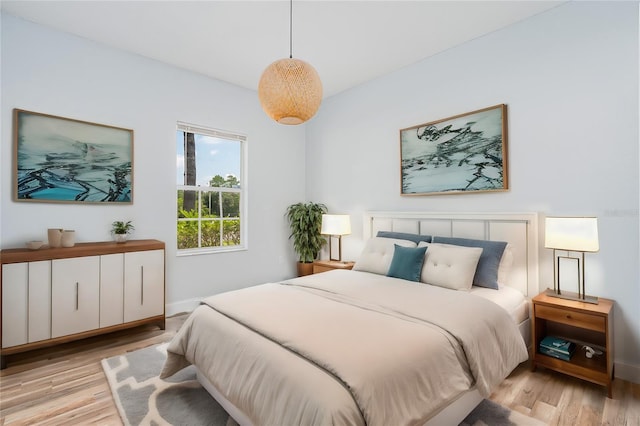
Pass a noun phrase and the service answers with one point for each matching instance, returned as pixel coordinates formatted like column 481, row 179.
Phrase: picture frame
column 466, row 153
column 64, row 160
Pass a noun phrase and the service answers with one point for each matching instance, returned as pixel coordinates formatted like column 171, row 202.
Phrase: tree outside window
column 210, row 194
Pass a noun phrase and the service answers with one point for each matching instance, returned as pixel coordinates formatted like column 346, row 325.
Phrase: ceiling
column 348, row 42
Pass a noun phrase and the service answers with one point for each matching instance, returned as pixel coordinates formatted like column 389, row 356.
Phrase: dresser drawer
column 575, row 319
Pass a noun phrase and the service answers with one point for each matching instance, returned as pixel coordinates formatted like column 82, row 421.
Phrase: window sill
column 212, row 250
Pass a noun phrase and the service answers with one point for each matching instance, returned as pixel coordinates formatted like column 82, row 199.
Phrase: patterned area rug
column 143, row 399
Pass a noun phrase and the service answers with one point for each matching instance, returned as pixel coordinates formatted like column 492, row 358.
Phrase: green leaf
column 305, row 220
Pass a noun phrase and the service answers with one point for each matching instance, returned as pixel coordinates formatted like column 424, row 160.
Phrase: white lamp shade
column 335, row 224
column 572, row 233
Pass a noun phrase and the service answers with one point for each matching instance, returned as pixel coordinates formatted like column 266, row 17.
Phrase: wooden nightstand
column 327, row 265
column 581, row 323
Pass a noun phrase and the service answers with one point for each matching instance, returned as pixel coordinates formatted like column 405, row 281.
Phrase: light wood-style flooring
column 65, row 385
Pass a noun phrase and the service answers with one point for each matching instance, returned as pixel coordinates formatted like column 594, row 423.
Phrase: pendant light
column 290, row 90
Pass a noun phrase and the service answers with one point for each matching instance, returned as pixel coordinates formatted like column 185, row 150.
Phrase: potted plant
column 305, row 220
column 121, row 230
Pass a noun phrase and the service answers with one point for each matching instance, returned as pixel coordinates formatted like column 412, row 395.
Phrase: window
column 210, row 190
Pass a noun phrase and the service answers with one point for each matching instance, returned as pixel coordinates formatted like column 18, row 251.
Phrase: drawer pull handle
column 77, row 295
column 568, row 316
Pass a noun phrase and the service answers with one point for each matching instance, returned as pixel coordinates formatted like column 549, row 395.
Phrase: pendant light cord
column 290, row 29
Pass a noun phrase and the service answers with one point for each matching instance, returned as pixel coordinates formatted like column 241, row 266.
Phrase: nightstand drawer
column 318, row 268
column 575, row 319
column 329, row 265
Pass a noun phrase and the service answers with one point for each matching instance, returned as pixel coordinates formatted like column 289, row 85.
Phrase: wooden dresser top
column 17, row 255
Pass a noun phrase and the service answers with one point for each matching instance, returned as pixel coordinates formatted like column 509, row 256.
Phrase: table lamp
column 335, row 225
column 571, row 235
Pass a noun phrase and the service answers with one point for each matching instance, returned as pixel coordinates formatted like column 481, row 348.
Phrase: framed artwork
column 64, row 160
column 466, row 153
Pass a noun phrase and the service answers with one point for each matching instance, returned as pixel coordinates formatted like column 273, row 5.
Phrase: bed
column 373, row 345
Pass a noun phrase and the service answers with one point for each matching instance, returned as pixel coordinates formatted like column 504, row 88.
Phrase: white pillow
column 450, row 266
column 505, row 265
column 377, row 254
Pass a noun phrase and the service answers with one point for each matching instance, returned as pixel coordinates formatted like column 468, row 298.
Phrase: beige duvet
column 347, row 347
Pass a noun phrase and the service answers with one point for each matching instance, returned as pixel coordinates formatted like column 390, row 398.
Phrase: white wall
column 55, row 73
column 570, row 80
column 569, row 77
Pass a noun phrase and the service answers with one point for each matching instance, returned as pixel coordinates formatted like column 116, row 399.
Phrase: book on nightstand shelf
column 557, row 347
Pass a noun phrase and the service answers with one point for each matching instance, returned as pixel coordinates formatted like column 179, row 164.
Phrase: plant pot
column 305, row 269
column 120, row 238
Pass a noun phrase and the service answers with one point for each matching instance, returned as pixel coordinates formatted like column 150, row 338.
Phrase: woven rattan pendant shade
column 290, row 91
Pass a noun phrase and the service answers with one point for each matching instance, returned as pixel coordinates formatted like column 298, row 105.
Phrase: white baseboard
column 181, row 307
column 630, row 373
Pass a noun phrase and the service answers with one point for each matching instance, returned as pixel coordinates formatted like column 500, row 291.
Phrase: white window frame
column 244, row 237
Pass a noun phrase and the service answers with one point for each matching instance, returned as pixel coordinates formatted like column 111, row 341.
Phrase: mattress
column 414, row 367
column 510, row 299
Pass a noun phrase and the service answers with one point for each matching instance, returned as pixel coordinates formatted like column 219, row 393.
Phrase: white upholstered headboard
column 520, row 230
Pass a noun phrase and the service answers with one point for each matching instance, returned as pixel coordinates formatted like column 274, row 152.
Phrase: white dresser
column 56, row 295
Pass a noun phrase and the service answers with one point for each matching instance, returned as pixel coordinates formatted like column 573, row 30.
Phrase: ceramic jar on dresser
column 56, row 295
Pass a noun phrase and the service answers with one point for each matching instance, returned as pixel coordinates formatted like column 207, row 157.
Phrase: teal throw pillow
column 407, row 262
